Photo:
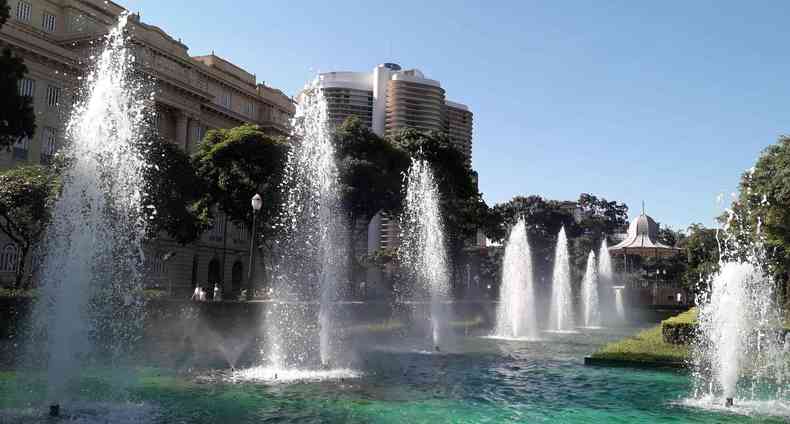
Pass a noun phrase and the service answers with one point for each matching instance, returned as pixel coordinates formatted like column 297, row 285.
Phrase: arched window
column 9, row 258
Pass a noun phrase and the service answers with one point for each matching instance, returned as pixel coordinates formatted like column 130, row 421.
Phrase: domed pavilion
column 642, row 240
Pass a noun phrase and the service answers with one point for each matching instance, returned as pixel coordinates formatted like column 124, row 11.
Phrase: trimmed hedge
column 646, row 347
column 680, row 329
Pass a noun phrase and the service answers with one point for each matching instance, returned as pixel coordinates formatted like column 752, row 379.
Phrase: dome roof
column 644, row 226
column 642, row 239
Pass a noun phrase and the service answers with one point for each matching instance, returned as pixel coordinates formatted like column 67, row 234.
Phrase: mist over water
column 91, row 305
column 516, row 312
column 423, row 249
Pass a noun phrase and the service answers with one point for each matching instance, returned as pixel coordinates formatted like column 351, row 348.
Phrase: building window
column 249, row 109
column 23, row 10
column 197, row 133
column 49, row 142
column 21, row 148
column 224, row 100
column 27, row 87
column 48, row 22
column 9, row 258
column 53, row 96
column 217, row 231
column 157, row 264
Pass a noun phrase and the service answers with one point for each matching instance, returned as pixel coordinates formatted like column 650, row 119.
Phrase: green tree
column 370, row 173
column 371, row 170
column 17, row 119
column 237, row 163
column 27, row 195
column 175, row 197
column 762, row 210
column 586, row 221
column 701, row 251
column 601, row 216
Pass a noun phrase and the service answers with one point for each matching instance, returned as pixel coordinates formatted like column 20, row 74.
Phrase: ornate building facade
column 193, row 94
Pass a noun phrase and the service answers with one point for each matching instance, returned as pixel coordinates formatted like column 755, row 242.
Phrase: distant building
column 194, row 94
column 646, row 287
column 389, row 99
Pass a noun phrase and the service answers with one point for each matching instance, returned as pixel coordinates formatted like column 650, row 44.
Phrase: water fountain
column 619, row 302
column 606, row 280
column 91, row 306
column 739, row 358
column 562, row 316
column 592, row 313
column 516, row 314
column 312, row 264
column 605, row 270
column 422, row 247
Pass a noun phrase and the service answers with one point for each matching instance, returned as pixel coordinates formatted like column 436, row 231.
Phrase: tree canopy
column 371, row 170
column 237, row 163
column 174, row 192
column 17, row 120
column 27, row 194
column 760, row 213
column 463, row 208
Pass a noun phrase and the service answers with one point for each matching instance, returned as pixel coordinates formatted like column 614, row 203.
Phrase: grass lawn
column 647, row 346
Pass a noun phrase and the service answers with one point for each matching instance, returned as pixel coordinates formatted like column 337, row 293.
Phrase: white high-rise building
column 389, row 99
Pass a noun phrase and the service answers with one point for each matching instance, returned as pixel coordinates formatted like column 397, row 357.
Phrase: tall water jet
column 562, row 316
column 516, row 314
column 422, row 249
column 738, row 351
column 606, row 280
column 605, row 270
column 312, row 262
column 619, row 302
column 91, row 305
column 592, row 312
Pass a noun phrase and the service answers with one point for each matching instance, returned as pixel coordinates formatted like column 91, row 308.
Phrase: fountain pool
column 486, row 381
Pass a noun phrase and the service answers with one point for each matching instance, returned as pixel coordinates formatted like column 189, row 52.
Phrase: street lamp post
column 257, row 202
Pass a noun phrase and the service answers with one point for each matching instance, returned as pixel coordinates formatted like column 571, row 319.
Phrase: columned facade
column 193, row 94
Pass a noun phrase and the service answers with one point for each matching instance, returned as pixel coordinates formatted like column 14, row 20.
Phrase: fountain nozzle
column 54, row 410
column 729, row 402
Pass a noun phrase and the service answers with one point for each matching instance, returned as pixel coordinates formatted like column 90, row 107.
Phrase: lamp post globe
column 257, row 203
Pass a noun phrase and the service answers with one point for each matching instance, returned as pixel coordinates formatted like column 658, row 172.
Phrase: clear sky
column 667, row 102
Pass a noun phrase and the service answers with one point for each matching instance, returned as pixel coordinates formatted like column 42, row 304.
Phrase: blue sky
column 666, row 102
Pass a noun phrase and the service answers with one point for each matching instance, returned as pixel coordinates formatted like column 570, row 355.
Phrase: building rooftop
column 642, row 240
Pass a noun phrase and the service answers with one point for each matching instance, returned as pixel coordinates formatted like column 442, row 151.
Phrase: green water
column 484, row 381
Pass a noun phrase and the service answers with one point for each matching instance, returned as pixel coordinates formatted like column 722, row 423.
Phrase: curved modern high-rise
column 391, row 98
